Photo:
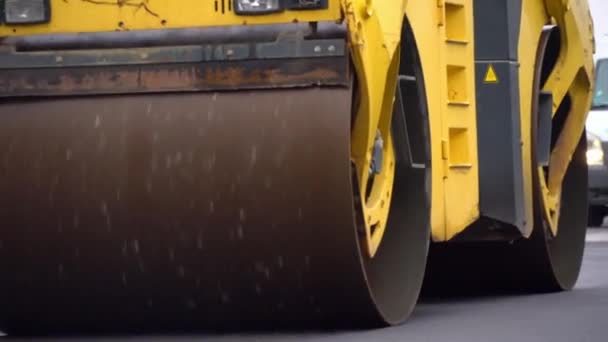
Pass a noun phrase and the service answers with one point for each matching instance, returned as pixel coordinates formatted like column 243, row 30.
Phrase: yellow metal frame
column 443, row 31
column 374, row 33
column 573, row 76
column 447, row 63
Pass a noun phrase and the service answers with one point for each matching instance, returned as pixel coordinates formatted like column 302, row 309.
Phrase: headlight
column 257, row 6
column 26, row 11
column 595, row 153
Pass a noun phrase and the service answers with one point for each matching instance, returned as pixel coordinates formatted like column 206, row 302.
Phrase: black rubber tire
column 538, row 264
column 596, row 216
column 561, row 258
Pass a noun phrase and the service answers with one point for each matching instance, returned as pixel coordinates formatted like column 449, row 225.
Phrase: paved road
column 580, row 315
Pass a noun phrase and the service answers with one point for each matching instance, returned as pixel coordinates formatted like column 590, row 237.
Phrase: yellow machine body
column 443, row 33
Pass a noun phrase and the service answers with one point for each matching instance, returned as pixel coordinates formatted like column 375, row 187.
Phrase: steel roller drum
column 207, row 210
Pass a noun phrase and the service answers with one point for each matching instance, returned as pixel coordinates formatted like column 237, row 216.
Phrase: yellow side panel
column 459, row 129
column 444, row 34
column 113, row 15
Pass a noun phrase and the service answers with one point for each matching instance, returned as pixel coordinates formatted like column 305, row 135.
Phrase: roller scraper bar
column 271, row 56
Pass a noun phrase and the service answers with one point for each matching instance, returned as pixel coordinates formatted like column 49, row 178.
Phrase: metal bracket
column 545, row 113
column 401, row 136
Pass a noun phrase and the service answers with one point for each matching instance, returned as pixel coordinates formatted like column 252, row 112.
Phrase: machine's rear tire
column 558, row 258
column 540, row 264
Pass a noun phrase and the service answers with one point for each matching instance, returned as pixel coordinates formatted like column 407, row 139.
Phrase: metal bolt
column 317, row 49
column 229, row 52
column 377, row 154
column 331, row 48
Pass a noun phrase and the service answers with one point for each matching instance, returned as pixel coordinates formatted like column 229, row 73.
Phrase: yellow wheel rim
column 374, row 114
column 550, row 201
column 375, row 195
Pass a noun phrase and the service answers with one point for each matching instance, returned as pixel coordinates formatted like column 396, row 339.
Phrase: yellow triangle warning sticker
column 491, row 75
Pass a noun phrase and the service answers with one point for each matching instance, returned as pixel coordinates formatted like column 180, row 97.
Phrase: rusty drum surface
column 201, row 208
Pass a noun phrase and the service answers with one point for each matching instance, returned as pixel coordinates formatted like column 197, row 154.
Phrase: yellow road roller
column 203, row 164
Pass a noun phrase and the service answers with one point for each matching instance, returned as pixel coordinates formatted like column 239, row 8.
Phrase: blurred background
column 599, row 9
column 597, row 122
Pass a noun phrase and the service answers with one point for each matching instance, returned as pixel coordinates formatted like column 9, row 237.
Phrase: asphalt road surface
column 577, row 316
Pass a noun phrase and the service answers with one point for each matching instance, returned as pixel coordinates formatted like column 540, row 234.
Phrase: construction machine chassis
column 162, row 169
